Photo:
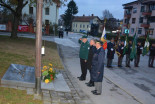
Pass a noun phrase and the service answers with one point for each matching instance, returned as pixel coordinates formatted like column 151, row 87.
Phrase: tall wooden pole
column 38, row 46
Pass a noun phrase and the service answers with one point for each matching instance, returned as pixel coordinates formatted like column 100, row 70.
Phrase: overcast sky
column 96, row 7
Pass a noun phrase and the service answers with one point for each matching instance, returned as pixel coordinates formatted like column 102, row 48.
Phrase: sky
column 97, row 7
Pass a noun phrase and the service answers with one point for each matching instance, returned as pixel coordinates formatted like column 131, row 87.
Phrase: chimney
column 83, row 15
column 92, row 15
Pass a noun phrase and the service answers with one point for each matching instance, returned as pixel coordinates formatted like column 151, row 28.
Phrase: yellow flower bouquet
column 48, row 73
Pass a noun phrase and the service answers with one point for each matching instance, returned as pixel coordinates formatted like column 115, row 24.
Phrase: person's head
column 84, row 40
column 139, row 43
column 112, row 40
column 130, row 42
column 92, row 42
column 98, row 44
column 122, row 42
column 153, row 44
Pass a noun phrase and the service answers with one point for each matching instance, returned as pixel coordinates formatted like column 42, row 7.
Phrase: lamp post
column 38, row 47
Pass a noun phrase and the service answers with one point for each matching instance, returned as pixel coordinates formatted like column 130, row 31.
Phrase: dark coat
column 152, row 51
column 129, row 49
column 121, row 49
column 139, row 49
column 98, row 65
column 90, row 56
column 111, row 50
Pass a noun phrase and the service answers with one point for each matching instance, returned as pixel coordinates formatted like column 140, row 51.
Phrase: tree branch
column 25, row 4
column 6, row 6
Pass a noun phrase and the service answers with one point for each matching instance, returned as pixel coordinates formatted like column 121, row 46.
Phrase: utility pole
column 38, row 47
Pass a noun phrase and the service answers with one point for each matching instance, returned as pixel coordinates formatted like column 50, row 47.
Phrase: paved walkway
column 120, row 86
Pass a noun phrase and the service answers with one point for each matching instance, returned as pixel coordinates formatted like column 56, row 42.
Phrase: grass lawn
column 22, row 51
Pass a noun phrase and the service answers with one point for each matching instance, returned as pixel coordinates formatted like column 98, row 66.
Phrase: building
column 50, row 13
column 139, row 16
column 83, row 23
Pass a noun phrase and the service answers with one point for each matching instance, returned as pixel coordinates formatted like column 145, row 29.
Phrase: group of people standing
column 92, row 56
column 119, row 49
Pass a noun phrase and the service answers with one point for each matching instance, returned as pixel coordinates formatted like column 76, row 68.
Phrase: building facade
column 139, row 16
column 50, row 13
column 83, row 23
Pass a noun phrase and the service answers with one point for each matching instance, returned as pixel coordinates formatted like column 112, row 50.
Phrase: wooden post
column 38, row 46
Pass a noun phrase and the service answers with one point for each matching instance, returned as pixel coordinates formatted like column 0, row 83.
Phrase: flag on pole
column 146, row 46
column 126, row 44
column 134, row 50
column 103, row 39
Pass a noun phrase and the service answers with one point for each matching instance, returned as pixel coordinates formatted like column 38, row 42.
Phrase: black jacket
column 90, row 56
column 129, row 49
column 121, row 49
column 152, row 51
column 139, row 49
column 98, row 65
column 111, row 50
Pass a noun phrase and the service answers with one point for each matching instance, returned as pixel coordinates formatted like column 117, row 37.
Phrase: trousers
column 83, row 68
column 98, row 87
column 151, row 60
column 127, row 59
column 109, row 62
column 120, row 59
column 137, row 59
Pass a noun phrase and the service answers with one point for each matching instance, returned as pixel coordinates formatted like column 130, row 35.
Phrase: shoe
column 78, row 77
column 82, row 79
column 94, row 91
column 97, row 93
column 119, row 66
column 90, row 85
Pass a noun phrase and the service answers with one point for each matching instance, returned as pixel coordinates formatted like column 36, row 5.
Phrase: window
column 142, row 8
column 87, row 26
column 132, row 30
column 141, row 20
column 80, row 25
column 152, row 7
column 133, row 20
column 46, row 22
column 76, row 25
column 126, row 21
column 151, row 19
column 47, row 11
column 73, row 25
column 151, row 31
column 139, row 30
column 30, row 10
column 83, row 26
column 134, row 10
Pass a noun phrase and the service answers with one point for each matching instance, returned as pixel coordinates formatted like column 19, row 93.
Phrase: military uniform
column 139, row 52
column 110, row 53
column 84, row 50
column 151, row 56
column 128, row 55
column 120, row 58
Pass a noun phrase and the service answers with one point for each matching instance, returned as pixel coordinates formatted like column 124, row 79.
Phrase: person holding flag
column 103, row 39
column 146, row 46
column 133, row 50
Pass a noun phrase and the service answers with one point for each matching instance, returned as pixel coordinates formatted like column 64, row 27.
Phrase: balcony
column 127, row 15
column 145, row 25
column 147, row 13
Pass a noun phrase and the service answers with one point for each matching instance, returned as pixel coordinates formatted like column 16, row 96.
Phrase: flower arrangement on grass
column 48, row 73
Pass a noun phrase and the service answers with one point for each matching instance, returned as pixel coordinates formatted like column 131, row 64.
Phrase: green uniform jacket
column 84, row 50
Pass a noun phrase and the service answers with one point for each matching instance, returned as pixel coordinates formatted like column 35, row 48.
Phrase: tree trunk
column 15, row 27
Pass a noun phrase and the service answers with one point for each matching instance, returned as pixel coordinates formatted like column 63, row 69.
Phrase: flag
column 134, row 50
column 103, row 39
column 146, row 46
column 126, row 44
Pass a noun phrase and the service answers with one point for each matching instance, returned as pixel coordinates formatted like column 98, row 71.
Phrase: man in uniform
column 128, row 54
column 110, row 53
column 139, row 52
column 120, row 50
column 152, row 55
column 84, row 50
